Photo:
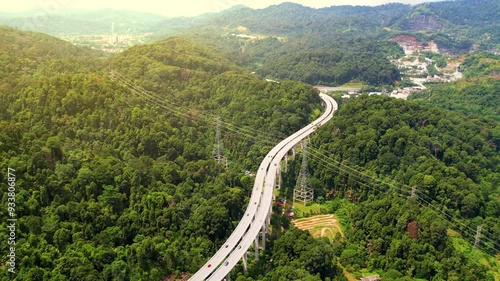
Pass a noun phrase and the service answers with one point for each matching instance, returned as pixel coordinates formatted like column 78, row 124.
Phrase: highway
column 260, row 203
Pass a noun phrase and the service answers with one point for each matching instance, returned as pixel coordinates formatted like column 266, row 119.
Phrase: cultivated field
column 320, row 226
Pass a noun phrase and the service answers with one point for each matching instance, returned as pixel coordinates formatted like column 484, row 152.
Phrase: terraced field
column 320, row 226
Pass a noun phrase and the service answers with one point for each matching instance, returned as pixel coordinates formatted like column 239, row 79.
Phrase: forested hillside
column 199, row 78
column 467, row 23
column 476, row 95
column 270, row 39
column 114, row 154
column 287, row 40
column 337, row 65
column 341, row 43
column 392, row 146
column 112, row 187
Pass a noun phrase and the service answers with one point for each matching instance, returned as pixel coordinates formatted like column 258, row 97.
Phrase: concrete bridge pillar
column 264, row 230
column 245, row 262
column 286, row 162
column 257, row 248
column 278, row 177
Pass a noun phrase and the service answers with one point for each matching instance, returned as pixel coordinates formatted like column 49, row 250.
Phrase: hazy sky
column 175, row 7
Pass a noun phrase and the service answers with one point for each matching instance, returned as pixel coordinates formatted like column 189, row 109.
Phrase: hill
column 336, row 65
column 114, row 173
column 414, row 173
column 26, row 54
column 476, row 95
column 456, row 26
column 290, row 36
column 436, row 20
column 267, row 40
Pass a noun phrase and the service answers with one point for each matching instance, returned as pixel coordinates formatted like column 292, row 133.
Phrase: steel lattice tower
column 478, row 236
column 218, row 147
column 303, row 191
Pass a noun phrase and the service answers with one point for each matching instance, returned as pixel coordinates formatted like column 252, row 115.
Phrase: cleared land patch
column 320, row 226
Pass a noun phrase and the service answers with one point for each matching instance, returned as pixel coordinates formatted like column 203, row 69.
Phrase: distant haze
column 177, row 8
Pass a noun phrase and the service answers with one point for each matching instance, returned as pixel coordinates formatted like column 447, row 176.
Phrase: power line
column 252, row 135
column 303, row 191
column 342, row 167
column 258, row 136
column 218, row 147
column 478, row 235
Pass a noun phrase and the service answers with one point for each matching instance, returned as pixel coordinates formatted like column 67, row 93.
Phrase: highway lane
column 276, row 155
column 250, row 219
column 242, row 226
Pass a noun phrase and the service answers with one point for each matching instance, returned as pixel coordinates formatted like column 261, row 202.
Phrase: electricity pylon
column 218, row 147
column 478, row 236
column 303, row 191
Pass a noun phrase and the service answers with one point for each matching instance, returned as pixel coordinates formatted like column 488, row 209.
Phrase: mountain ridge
column 452, row 23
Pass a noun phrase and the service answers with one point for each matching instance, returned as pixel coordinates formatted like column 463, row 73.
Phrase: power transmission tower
column 303, row 191
column 413, row 191
column 478, row 235
column 218, row 148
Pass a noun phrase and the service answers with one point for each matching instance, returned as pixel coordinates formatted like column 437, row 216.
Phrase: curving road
column 259, row 206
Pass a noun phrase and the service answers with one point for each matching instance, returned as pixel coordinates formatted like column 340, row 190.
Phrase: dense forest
column 379, row 149
column 114, row 154
column 338, row 65
column 110, row 186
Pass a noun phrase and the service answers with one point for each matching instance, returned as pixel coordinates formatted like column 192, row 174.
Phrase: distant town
column 110, row 43
column 416, row 66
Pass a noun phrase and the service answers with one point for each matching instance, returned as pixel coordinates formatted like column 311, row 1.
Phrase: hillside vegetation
column 391, row 145
column 262, row 39
column 114, row 154
column 336, row 65
column 112, row 187
column 476, row 95
column 341, row 43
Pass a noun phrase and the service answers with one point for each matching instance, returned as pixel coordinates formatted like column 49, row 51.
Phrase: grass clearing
column 352, row 85
column 452, row 233
column 365, row 273
column 474, row 254
column 302, row 211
